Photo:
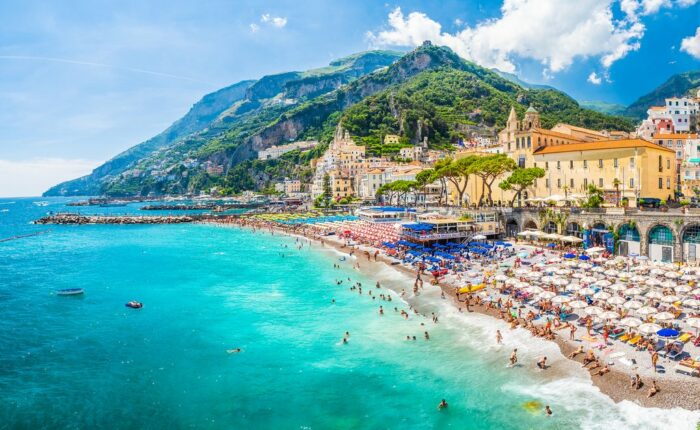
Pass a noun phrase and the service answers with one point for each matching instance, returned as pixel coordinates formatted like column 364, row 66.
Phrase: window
column 558, row 165
column 546, row 165
column 521, row 161
column 559, row 183
column 600, row 182
column 668, row 183
column 571, row 164
column 529, row 142
column 679, row 144
column 632, row 162
column 585, row 164
column 585, row 182
column 668, row 163
column 678, row 154
column 661, row 183
column 631, row 182
column 615, row 162
column 600, row 164
column 661, row 164
column 546, row 183
column 571, row 183
column 534, row 164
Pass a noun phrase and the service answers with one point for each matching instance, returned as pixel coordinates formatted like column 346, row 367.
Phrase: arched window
column 692, row 234
column 660, row 235
column 628, row 232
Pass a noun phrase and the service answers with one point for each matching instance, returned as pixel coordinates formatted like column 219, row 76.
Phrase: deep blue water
column 90, row 362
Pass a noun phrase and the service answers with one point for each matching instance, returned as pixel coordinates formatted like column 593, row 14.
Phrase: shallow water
column 89, row 362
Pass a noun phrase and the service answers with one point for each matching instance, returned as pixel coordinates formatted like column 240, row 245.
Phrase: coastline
column 674, row 392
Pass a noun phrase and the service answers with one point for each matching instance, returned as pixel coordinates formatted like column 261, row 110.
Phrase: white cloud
column 565, row 31
column 686, row 3
column 594, row 78
column 34, row 176
column 691, row 44
column 254, row 28
column 276, row 21
column 458, row 22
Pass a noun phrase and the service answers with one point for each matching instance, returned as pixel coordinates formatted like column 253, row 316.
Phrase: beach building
column 277, row 151
column 435, row 230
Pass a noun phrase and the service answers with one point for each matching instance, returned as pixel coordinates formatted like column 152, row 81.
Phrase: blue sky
column 83, row 80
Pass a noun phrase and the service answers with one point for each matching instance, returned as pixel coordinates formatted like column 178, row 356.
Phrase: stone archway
column 512, row 227
column 630, row 242
column 662, row 242
column 530, row 224
column 573, row 229
column 690, row 243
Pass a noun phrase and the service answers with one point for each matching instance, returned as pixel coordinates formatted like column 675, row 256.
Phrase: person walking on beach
column 571, row 333
column 654, row 360
column 499, row 337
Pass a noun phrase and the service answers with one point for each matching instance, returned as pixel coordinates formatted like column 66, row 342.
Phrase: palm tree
column 616, row 184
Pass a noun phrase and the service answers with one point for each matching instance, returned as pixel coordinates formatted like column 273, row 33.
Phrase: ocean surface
column 90, row 362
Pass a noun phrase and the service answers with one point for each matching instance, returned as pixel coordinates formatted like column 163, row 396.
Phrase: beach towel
column 589, row 338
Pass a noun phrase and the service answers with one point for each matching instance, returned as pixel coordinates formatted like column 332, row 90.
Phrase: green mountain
column 516, row 80
column 603, row 107
column 429, row 92
column 676, row 86
column 237, row 107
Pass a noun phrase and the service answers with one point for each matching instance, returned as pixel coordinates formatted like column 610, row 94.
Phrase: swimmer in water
column 427, row 336
column 442, row 405
column 234, row 351
column 381, row 310
column 547, row 411
column 542, row 363
column 514, row 357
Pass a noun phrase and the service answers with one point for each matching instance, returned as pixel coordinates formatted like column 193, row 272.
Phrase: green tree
column 594, row 197
column 489, row 168
column 616, row 184
column 457, row 172
column 520, row 180
column 423, row 179
column 327, row 190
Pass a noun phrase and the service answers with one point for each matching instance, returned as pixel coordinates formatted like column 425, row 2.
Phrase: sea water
column 91, row 362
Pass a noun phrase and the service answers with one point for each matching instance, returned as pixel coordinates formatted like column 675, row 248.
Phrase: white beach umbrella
column 564, row 272
column 647, row 310
column 610, row 263
column 586, row 291
column 598, row 269
column 601, row 295
column 657, row 271
column 648, row 328
column 669, row 284
column 611, row 272
column 693, row 322
column 560, row 282
column 664, row 316
column 595, row 250
column 602, row 283
column 691, row 303
column 594, row 310
column 523, row 233
column 561, row 299
column 670, row 299
column 682, row 289
column 634, row 291
column 573, row 287
column 653, row 294
column 578, row 304
column 633, row 304
column 546, row 295
column 617, row 287
column 585, row 266
column 588, row 279
column 500, row 277
column 672, row 275
column 578, row 275
column 533, row 289
column 638, row 278
column 609, row 315
column 652, row 282
column 688, row 277
column 695, row 292
column 617, row 300
column 534, row 275
column 631, row 322
column 522, row 271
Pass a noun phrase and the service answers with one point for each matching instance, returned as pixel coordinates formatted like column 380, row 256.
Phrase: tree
column 327, row 190
column 439, row 170
column 595, row 197
column 520, row 180
column 423, row 179
column 616, row 184
column 457, row 172
column 489, row 168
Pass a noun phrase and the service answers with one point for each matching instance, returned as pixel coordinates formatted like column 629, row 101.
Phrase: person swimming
column 233, row 351
column 542, row 363
column 548, row 411
column 443, row 404
column 426, row 335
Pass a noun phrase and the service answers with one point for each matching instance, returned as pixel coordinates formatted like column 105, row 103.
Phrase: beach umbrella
column 630, row 322
column 522, row 271
column 560, row 299
column 633, row 304
column 573, row 287
column 578, row 304
column 546, row 295
column 691, row 303
column 638, row 278
column 560, row 282
column 569, row 255
column 586, row 291
column 584, row 257
column 602, row 283
column 523, row 233
column 585, row 266
column 595, row 250
column 667, row 332
column 594, row 310
column 653, row 294
column 598, row 269
column 609, row 315
column 688, row 277
column 669, row 284
column 617, row 287
column 578, row 275
column 663, row 316
column 695, row 292
column 647, row 310
column 681, row 289
column 693, row 322
column 670, row 299
column 533, row 289
column 588, row 279
column 611, row 272
column 500, row 277
column 652, row 282
column 617, row 300
column 602, row 295
column 656, row 271
column 534, row 275
column 649, row 328
column 479, row 237
column 563, row 272
column 634, row 291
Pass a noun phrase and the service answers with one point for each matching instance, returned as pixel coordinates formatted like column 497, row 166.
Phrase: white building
column 683, row 112
column 277, row 151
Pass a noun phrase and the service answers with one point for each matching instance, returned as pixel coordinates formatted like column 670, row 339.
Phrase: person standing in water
column 547, row 411
column 514, row 357
column 499, row 337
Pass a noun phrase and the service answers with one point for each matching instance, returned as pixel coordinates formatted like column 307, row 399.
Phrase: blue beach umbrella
column 584, row 257
column 552, row 245
column 667, row 332
column 569, row 255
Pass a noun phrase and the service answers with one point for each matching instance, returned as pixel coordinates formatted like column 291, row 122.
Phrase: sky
column 81, row 81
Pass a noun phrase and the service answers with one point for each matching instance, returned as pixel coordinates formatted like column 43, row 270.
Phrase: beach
column 676, row 391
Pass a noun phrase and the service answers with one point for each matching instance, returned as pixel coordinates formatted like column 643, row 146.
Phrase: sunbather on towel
column 576, row 352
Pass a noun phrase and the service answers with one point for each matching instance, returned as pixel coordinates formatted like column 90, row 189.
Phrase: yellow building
column 633, row 167
column 391, row 139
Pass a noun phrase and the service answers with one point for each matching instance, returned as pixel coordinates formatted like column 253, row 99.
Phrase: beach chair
column 660, row 344
column 684, row 337
column 617, row 333
column 686, row 370
column 675, row 353
column 598, row 327
column 634, row 340
column 625, row 337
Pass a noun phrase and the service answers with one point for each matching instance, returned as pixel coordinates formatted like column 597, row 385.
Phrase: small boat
column 134, row 304
column 70, row 292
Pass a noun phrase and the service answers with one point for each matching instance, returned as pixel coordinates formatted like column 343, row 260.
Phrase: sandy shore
column 675, row 390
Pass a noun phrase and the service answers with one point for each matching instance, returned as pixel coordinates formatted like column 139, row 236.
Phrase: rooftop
column 601, row 144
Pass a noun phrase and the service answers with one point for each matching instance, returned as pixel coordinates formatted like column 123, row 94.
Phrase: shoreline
column 674, row 392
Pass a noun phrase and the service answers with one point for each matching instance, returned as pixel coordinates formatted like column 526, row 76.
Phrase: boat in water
column 134, row 304
column 41, row 203
column 70, row 292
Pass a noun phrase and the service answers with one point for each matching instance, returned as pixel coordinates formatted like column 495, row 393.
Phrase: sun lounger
column 685, row 370
column 675, row 354
column 635, row 340
column 660, row 344
column 616, row 334
column 684, row 337
column 625, row 337
column 598, row 327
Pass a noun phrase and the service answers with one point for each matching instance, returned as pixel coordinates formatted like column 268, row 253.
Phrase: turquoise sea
column 89, row 362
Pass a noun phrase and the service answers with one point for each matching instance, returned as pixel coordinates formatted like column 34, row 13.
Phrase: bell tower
column 531, row 120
